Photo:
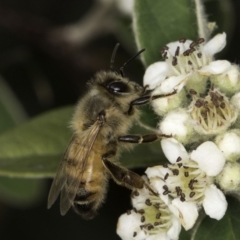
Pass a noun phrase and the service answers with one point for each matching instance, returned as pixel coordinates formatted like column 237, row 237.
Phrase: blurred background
column 48, row 50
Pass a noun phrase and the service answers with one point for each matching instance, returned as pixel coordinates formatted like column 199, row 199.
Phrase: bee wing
column 60, row 178
column 72, row 167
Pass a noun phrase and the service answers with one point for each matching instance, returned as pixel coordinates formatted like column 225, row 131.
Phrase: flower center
column 187, row 57
column 187, row 181
column 213, row 112
column 155, row 216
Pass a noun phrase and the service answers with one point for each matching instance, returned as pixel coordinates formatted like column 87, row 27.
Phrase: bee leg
column 146, row 99
column 142, row 139
column 124, row 177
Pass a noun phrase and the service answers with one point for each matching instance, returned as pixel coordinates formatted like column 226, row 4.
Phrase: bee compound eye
column 118, row 87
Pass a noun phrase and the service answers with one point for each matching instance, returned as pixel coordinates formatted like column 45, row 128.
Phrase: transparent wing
column 71, row 168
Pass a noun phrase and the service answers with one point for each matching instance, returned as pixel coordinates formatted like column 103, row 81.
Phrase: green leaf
column 34, row 148
column 225, row 229
column 157, row 23
column 20, row 192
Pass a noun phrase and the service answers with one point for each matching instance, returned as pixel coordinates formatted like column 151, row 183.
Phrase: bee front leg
column 142, row 139
column 146, row 99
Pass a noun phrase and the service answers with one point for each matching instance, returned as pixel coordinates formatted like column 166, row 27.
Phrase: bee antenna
column 132, row 58
column 113, row 57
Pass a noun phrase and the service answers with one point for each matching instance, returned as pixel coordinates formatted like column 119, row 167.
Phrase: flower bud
column 178, row 124
column 228, row 82
column 229, row 178
column 229, row 144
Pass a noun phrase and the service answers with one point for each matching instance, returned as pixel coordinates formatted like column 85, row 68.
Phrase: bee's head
column 119, row 86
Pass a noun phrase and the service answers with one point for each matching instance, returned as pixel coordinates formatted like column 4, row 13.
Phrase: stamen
column 182, row 40
column 142, row 219
column 148, row 202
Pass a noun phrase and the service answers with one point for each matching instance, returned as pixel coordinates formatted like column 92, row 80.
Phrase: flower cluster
column 199, row 109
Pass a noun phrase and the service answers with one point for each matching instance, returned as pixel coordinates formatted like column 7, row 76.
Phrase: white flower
column 229, row 144
column 207, row 114
column 189, row 179
column 150, row 219
column 187, row 60
column 178, row 124
column 229, row 178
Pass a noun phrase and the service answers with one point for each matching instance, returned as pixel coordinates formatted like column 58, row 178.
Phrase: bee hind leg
column 124, row 177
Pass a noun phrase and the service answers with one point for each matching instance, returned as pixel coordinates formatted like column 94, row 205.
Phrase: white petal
column 157, row 171
column 139, row 201
column 229, row 144
column 233, row 75
column 175, row 229
column 214, row 203
column 128, row 224
column 182, row 47
column 172, row 83
column 158, row 184
column 209, row 158
column 158, row 236
column 155, row 74
column 215, row 67
column 235, row 100
column 187, row 212
column 216, row 44
column 175, row 123
column 125, row 6
column 172, row 149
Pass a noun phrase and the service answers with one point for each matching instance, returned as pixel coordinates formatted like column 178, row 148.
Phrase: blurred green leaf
column 34, row 148
column 225, row 229
column 157, row 23
column 15, row 191
column 11, row 111
column 20, row 192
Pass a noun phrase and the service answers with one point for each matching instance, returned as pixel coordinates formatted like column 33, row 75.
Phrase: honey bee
column 100, row 125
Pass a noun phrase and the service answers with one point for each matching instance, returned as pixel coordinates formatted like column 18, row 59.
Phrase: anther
column 175, row 172
column 157, row 205
column 222, row 105
column 177, row 51
column 136, row 193
column 189, row 62
column 166, row 176
column 191, row 194
column 179, row 165
column 142, row 219
column 200, row 40
column 148, row 202
column 134, row 234
column 179, row 159
column 186, row 53
column 141, row 211
column 182, row 40
column 174, row 61
column 165, row 187
column 158, row 215
column 193, row 44
column 192, row 92
column 186, row 174
column 199, row 55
